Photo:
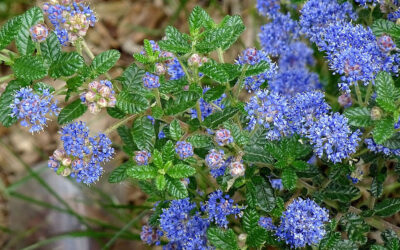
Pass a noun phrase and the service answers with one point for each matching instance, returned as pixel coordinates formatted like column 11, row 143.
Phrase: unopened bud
column 242, row 237
column 39, row 32
column 52, row 163
column 90, row 96
column 345, row 100
column 59, row 154
column 102, row 102
column 237, row 169
column 105, row 91
column 160, row 69
column 112, row 101
column 66, row 162
column 66, row 172
column 376, row 113
column 94, row 85
column 93, row 108
column 194, row 60
column 386, row 43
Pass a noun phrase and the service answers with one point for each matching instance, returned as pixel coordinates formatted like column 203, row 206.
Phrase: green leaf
column 142, row 172
column 126, row 136
column 358, row 116
column 24, row 42
column 300, row 165
column 103, row 62
column 355, row 227
column 131, row 80
column 391, row 239
column 119, row 174
column 220, row 72
column 6, row 99
column 157, row 159
column 214, row 39
column 222, row 239
column 144, row 134
column 387, row 207
column 157, row 112
column 217, row 118
column 239, row 137
column 160, row 182
column 289, row 178
column 72, row 111
column 115, row 113
column 176, row 188
column 383, row 130
column 180, row 171
column 343, row 193
column 131, row 103
column 264, row 194
column 66, row 64
column 40, row 86
column 381, row 27
column 9, row 31
column 175, row 130
column 257, row 237
column 149, row 188
column 237, row 25
column 173, row 86
column 198, row 19
column 175, row 41
column 393, row 142
column 29, row 68
column 255, row 152
column 51, row 48
column 250, row 219
column 387, row 93
column 182, row 102
column 377, row 182
column 168, row 151
column 257, row 69
column 200, row 141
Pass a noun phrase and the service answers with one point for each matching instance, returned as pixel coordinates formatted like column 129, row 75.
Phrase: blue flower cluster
column 268, row 7
column 81, row 155
column 302, row 223
column 218, row 207
column 39, row 32
column 252, row 56
column 377, row 148
column 71, row 20
column 266, row 222
column 150, row 235
column 100, row 94
column 365, row 2
column 142, row 158
column 306, row 114
column 215, row 160
column 208, row 108
column 223, row 137
column 184, row 149
column 184, row 228
column 352, row 50
column 151, row 81
column 32, row 108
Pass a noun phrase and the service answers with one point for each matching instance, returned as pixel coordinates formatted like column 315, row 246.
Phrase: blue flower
column 175, row 69
column 151, row 81
column 298, row 56
column 377, row 148
column 268, row 7
column 364, row 2
column 184, row 149
column 302, row 223
column 142, row 157
column 218, row 207
column 215, row 159
column 150, row 235
column 266, row 222
column 32, row 108
column 183, row 226
column 330, row 135
column 276, row 184
column 208, row 108
column 276, row 36
column 252, row 56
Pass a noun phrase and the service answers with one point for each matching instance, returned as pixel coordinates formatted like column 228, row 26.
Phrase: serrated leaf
column 131, row 103
column 6, row 99
column 255, row 152
column 257, row 237
column 182, row 102
column 142, row 172
column 239, row 137
column 237, row 25
column 168, row 151
column 175, row 41
column 200, row 141
column 214, row 93
column 264, row 194
column 387, row 93
column 9, row 31
column 358, row 116
column 160, row 182
column 343, row 193
column 387, row 207
column 144, row 134
column 29, row 68
column 126, row 136
column 383, row 130
column 355, row 227
column 218, row 72
column 176, row 188
column 289, row 178
column 119, row 174
column 72, row 111
column 219, row 117
column 214, row 39
column 391, row 239
column 175, row 130
column 158, row 159
column 393, row 142
column 198, row 19
column 181, row 171
column 40, row 86
column 116, row 113
column 66, row 64
column 173, row 86
column 131, row 80
column 250, row 219
column 24, row 42
column 257, row 69
column 157, row 112
column 381, row 27
column 300, row 165
column 103, row 62
column 51, row 48
column 222, row 239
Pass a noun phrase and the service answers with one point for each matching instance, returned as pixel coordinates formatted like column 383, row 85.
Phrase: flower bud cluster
column 100, row 95
column 39, row 32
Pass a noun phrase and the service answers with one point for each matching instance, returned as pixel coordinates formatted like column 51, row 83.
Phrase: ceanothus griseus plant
column 233, row 155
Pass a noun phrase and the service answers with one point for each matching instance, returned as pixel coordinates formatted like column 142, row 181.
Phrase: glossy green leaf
column 176, row 188
column 175, row 130
column 142, row 172
column 219, row 117
column 66, row 64
column 222, row 239
column 182, row 102
column 131, row 103
column 119, row 174
column 9, row 31
column 24, row 42
column 387, row 207
column 103, row 62
column 72, row 111
column 181, row 171
column 51, row 48
column 29, row 68
column 383, row 130
column 358, row 116
column 143, row 134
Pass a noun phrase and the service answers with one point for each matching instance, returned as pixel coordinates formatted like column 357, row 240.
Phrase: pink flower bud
column 160, row 69
column 66, row 172
column 94, row 85
column 90, row 96
column 194, row 60
column 102, row 102
column 105, row 91
column 39, row 32
column 59, row 154
column 237, row 169
column 52, row 163
column 93, row 108
column 345, row 100
column 112, row 101
column 66, row 162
